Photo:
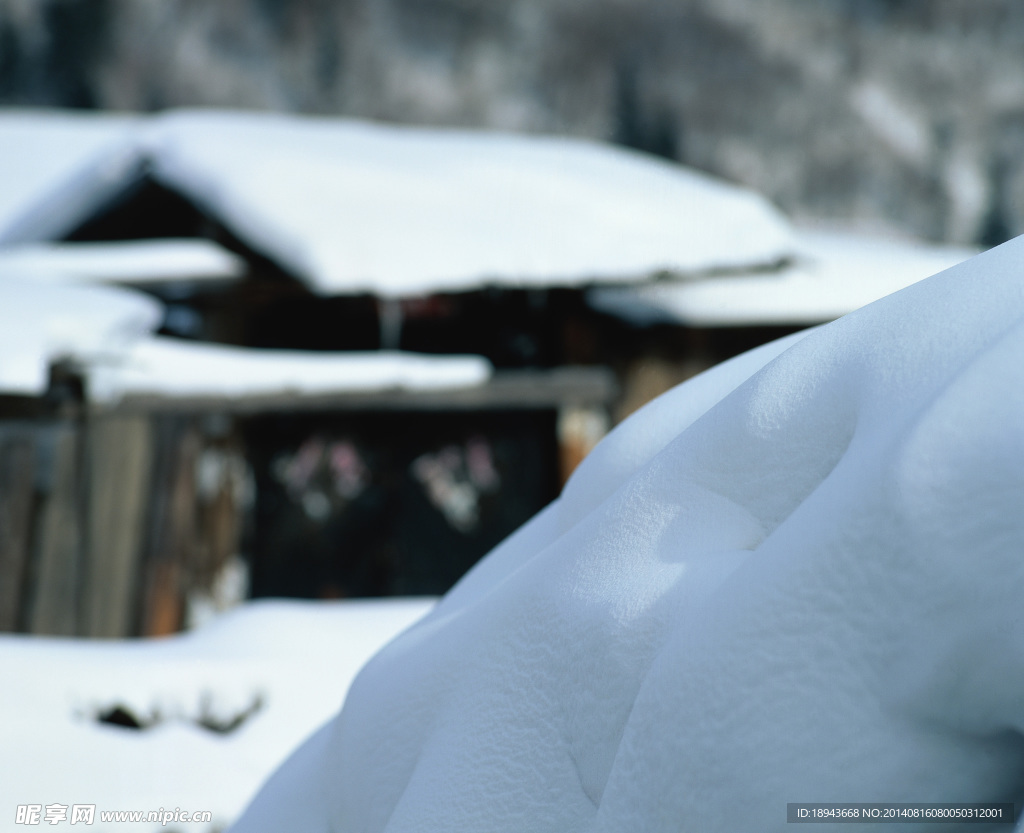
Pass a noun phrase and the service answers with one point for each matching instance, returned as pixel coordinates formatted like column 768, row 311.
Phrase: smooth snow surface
column 796, row 577
column 832, row 273
column 172, row 368
column 126, row 261
column 295, row 658
column 45, row 322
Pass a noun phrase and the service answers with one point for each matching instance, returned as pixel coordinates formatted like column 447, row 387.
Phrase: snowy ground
column 279, row 667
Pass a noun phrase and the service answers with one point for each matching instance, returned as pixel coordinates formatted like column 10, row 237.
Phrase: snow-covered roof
column 833, row 273
column 170, row 368
column 57, row 166
column 353, row 206
column 796, row 577
column 292, row 660
column 128, row 261
column 106, row 332
column 44, row 322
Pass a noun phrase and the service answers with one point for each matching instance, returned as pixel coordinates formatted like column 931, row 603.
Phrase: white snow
column 298, row 658
column 355, row 207
column 57, row 165
column 45, row 322
column 126, row 261
column 49, row 313
column 833, row 273
column 794, row 578
column 167, row 367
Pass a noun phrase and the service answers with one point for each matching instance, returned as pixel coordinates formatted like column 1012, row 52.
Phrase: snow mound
column 794, row 578
column 263, row 661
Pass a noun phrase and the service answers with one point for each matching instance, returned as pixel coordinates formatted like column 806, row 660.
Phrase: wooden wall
column 108, row 522
column 113, row 522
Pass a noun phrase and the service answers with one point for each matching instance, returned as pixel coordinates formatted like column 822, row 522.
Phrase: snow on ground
column 287, row 662
column 125, row 261
column 794, row 578
column 833, row 273
column 167, row 367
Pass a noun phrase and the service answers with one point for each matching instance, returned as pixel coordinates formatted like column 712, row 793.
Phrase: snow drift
column 796, row 577
column 265, row 654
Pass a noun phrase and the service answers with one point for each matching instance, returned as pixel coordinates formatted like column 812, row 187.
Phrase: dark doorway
column 394, row 503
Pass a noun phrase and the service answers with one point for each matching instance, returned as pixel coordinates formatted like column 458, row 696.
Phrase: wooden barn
column 333, row 358
column 144, row 482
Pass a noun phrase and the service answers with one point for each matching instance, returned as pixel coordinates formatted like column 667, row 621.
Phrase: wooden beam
column 118, row 450
column 17, row 481
column 54, row 592
column 169, row 550
column 507, row 390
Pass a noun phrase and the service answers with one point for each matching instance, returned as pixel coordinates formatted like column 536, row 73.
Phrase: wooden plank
column 118, row 461
column 163, row 612
column 16, row 503
column 54, row 593
column 172, row 533
column 219, row 479
column 195, row 522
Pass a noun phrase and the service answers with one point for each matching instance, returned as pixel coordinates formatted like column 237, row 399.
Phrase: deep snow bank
column 263, row 659
column 795, row 578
